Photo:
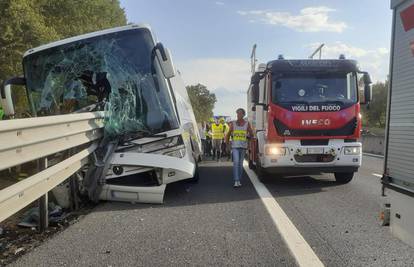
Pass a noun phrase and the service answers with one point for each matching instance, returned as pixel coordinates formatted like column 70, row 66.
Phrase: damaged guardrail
column 25, row 140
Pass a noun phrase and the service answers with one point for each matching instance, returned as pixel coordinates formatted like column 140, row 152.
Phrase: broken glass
column 112, row 72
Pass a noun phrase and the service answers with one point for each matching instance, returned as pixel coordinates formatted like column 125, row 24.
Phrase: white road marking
column 300, row 249
column 378, row 175
column 373, row 155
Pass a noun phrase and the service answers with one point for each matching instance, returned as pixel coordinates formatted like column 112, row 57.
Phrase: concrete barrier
column 373, row 144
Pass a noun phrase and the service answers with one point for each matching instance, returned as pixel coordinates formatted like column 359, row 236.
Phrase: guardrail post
column 43, row 213
column 43, row 201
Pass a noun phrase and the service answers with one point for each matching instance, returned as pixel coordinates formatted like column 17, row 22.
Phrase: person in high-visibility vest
column 224, row 147
column 208, row 137
column 217, row 136
column 239, row 131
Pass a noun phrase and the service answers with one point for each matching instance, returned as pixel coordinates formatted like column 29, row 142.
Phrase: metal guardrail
column 25, row 140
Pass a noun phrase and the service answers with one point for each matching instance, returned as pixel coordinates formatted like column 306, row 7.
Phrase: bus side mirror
column 6, row 95
column 165, row 60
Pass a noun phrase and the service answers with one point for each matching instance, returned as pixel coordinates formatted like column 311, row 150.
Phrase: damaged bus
column 150, row 134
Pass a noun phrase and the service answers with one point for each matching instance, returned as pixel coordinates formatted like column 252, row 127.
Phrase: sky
column 211, row 41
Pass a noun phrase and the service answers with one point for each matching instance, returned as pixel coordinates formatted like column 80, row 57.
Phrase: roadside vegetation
column 29, row 23
column 374, row 115
column 202, row 101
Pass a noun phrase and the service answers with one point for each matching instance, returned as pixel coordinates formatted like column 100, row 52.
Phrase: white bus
column 150, row 134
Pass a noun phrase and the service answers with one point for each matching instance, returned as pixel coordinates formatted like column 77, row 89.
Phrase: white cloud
column 375, row 61
column 310, row 19
column 228, row 78
column 219, row 3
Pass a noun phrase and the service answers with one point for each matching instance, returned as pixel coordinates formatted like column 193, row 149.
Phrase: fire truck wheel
column 251, row 165
column 261, row 173
column 343, row 177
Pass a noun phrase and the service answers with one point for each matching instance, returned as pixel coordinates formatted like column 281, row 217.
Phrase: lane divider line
column 373, row 155
column 300, row 249
column 377, row 175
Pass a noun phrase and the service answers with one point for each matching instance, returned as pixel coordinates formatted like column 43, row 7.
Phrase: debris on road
column 31, row 217
column 19, row 235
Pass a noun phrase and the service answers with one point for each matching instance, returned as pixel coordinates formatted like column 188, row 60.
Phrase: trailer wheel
column 343, row 177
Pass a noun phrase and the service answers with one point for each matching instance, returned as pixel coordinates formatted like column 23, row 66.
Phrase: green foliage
column 202, row 101
column 29, row 23
column 375, row 115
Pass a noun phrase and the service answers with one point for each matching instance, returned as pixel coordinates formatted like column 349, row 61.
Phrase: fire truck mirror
column 367, row 93
column 255, row 93
column 367, row 79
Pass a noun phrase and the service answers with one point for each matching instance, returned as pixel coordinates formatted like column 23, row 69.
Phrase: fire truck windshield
column 315, row 88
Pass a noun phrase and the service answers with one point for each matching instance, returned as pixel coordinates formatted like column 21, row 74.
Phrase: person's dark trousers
column 204, row 146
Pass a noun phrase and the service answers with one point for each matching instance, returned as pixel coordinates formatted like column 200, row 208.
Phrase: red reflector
column 407, row 18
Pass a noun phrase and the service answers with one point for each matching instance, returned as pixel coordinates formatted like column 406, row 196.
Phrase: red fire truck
column 306, row 115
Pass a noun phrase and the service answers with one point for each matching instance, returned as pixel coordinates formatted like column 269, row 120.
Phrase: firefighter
column 208, row 137
column 224, row 146
column 217, row 136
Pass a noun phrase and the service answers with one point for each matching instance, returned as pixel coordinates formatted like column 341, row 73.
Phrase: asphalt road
column 210, row 223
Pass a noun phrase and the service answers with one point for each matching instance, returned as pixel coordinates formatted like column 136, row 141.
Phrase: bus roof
column 86, row 36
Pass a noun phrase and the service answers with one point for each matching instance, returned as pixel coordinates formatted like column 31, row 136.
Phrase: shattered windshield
column 112, row 72
column 314, row 88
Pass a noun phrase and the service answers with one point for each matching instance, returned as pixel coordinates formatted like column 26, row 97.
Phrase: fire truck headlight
column 275, row 151
column 352, row 150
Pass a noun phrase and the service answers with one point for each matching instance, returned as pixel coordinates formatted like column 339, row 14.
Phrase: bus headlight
column 275, row 151
column 352, row 150
column 178, row 153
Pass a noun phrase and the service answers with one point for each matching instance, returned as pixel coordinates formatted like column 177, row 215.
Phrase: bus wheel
column 343, row 177
column 196, row 176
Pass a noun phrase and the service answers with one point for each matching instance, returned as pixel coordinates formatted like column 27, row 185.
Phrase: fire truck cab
column 306, row 115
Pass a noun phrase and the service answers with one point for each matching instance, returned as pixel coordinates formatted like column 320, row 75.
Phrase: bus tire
column 196, row 176
column 343, row 177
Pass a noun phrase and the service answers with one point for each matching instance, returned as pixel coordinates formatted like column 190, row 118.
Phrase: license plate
column 315, row 150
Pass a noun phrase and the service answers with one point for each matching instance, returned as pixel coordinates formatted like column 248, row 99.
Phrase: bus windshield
column 112, row 72
column 315, row 88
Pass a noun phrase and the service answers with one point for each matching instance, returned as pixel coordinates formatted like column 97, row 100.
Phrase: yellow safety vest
column 217, row 131
column 239, row 135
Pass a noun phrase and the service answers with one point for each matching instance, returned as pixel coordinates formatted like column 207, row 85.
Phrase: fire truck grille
column 347, row 129
column 314, row 158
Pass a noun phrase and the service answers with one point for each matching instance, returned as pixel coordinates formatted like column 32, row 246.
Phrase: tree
column 202, row 101
column 375, row 115
column 29, row 23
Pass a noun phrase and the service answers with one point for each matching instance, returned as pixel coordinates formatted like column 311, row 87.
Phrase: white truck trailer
column 150, row 133
column 398, row 178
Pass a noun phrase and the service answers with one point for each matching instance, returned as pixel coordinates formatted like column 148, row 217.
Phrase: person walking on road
column 202, row 130
column 239, row 131
column 217, row 136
